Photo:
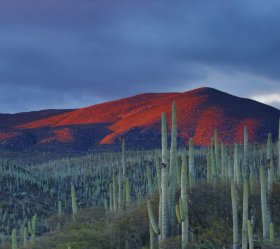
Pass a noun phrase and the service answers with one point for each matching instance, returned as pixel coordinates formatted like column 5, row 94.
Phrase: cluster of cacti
column 167, row 187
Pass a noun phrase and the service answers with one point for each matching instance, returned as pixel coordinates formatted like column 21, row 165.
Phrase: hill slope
column 138, row 120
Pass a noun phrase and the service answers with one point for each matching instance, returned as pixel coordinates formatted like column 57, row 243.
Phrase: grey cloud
column 84, row 52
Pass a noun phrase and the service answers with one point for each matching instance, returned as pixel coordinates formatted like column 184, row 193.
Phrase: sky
column 75, row 53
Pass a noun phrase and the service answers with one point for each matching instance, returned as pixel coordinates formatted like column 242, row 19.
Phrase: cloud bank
column 68, row 53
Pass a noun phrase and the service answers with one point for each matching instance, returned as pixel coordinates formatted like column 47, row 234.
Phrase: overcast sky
column 74, row 53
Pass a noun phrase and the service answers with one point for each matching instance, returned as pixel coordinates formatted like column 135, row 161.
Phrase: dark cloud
column 69, row 53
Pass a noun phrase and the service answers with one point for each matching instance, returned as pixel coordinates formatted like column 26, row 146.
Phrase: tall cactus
column 184, row 201
column 152, row 237
column 245, row 192
column 164, row 182
column 34, row 227
column 237, row 173
column 223, row 161
column 123, row 158
column 152, row 218
column 158, row 171
column 123, row 177
column 209, row 168
column 216, row 147
column 192, row 175
column 213, row 160
column 120, row 189
column 279, row 149
column 264, row 205
column 269, row 158
column 74, row 201
column 115, row 203
column 173, row 169
column 271, row 233
column 14, row 239
column 59, row 209
column 25, row 235
column 250, row 234
column 234, row 214
column 127, row 192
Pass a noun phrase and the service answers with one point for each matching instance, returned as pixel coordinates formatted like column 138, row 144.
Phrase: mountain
column 137, row 119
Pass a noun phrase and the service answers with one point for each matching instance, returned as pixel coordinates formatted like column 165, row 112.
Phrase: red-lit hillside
column 138, row 120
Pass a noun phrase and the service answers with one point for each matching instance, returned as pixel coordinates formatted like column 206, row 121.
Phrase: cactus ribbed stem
column 149, row 178
column 164, row 182
column 271, row 173
column 271, row 233
column 74, row 201
column 209, row 168
column 59, row 208
column 264, row 205
column 25, row 235
column 120, row 189
column 127, row 192
column 245, row 214
column 152, row 218
column 234, row 214
column 14, row 239
column 216, row 147
column 250, row 234
column 123, row 158
column 245, row 191
column 173, row 169
column 237, row 173
column 279, row 149
column 192, row 175
column 152, row 237
column 34, row 227
column 223, row 161
column 213, row 161
column 158, row 171
column 114, row 193
column 184, row 202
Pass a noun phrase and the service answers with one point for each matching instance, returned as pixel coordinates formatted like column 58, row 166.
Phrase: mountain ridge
column 137, row 119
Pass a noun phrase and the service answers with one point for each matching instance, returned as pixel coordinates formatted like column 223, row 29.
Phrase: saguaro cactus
column 184, row 200
column 59, row 209
column 209, row 168
column 25, row 235
column 14, row 239
column 250, row 234
column 213, row 161
column 120, row 189
column 158, row 171
column 173, row 168
column 223, row 161
column 123, row 176
column 192, row 175
column 115, row 204
column 271, row 173
column 265, row 215
column 245, row 192
column 271, row 233
column 74, row 201
column 152, row 218
column 279, row 150
column 127, row 192
column 234, row 214
column 216, row 147
column 237, row 173
column 164, row 181
column 34, row 227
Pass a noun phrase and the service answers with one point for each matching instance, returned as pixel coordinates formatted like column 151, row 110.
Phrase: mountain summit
column 137, row 119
